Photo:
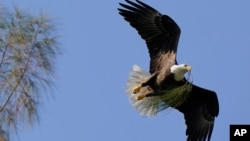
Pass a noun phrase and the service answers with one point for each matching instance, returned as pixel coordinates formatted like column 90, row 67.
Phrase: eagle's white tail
column 148, row 106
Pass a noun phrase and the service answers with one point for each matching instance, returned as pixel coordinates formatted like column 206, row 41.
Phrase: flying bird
column 165, row 85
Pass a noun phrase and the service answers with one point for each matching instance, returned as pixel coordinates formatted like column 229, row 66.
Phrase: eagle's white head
column 179, row 71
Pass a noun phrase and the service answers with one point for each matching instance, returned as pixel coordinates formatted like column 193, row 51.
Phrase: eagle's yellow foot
column 136, row 90
column 140, row 97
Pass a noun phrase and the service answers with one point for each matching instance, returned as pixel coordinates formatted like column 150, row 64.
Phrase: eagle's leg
column 141, row 96
column 137, row 89
column 149, row 83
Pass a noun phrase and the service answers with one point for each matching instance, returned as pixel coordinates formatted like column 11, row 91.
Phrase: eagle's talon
column 136, row 90
column 140, row 97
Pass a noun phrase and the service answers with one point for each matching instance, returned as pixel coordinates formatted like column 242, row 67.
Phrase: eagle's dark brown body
column 161, row 34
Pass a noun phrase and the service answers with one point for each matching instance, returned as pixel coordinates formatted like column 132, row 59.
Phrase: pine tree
column 28, row 51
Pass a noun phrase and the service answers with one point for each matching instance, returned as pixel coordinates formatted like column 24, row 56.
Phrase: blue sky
column 90, row 104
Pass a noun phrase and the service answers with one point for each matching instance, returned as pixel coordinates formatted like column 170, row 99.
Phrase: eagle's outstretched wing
column 200, row 110
column 159, row 31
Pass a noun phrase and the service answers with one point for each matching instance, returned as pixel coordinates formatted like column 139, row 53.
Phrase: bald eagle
column 165, row 85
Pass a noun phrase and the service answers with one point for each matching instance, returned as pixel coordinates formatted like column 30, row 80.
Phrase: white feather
column 148, row 106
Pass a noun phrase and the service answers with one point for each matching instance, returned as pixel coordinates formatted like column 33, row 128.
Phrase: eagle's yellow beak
column 189, row 68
